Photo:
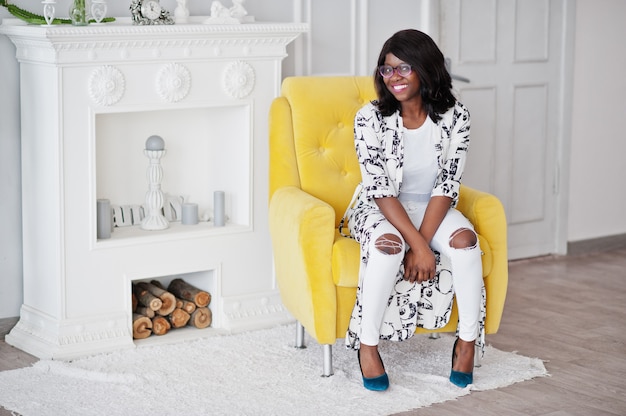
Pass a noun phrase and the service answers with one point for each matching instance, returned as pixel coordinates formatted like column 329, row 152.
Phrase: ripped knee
column 389, row 244
column 463, row 238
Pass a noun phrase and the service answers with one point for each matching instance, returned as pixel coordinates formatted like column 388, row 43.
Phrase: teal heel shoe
column 459, row 378
column 380, row 383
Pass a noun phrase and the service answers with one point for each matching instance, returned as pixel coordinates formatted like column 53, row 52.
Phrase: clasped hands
column 419, row 265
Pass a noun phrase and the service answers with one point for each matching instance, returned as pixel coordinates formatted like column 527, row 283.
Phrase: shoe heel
column 459, row 378
column 380, row 383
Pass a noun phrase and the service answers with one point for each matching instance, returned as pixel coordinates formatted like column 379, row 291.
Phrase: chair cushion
column 345, row 261
column 346, row 267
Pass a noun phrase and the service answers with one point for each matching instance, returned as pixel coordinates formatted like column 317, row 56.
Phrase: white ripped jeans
column 382, row 269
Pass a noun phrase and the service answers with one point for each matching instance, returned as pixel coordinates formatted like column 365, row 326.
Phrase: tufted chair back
column 322, row 111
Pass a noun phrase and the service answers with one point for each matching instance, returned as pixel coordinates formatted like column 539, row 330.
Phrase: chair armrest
column 283, row 165
column 486, row 213
column 302, row 229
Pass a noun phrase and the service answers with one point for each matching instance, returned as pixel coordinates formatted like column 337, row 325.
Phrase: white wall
column 10, row 184
column 359, row 27
column 598, row 143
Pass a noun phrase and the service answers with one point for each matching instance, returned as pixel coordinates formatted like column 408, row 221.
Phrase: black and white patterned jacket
column 379, row 145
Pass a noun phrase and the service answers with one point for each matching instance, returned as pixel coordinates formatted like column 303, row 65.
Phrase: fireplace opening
column 179, row 304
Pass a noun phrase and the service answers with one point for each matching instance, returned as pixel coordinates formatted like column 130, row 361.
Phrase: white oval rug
column 252, row 373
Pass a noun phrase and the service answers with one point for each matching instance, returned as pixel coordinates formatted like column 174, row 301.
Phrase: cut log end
column 168, row 303
column 201, row 318
column 160, row 325
column 179, row 318
column 188, row 306
column 142, row 326
column 202, row 299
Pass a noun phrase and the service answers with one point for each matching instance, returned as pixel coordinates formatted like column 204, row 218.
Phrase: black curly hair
column 420, row 51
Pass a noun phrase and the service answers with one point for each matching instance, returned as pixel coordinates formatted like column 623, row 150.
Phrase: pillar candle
column 218, row 209
column 103, row 218
column 189, row 213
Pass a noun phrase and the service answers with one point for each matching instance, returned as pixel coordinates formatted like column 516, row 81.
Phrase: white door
column 512, row 53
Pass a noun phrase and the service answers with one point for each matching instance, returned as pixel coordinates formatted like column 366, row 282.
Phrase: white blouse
column 420, row 159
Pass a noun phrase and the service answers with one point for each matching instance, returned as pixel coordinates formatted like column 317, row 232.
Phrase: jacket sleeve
column 456, row 126
column 370, row 149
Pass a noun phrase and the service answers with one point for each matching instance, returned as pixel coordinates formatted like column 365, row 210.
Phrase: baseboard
column 593, row 245
column 6, row 324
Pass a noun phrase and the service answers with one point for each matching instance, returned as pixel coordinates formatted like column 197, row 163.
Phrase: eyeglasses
column 386, row 71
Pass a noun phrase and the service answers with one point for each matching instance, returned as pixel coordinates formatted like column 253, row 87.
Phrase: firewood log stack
column 156, row 309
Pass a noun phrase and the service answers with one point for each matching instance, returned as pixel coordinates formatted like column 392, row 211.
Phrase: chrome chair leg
column 328, row 360
column 299, row 335
column 326, row 348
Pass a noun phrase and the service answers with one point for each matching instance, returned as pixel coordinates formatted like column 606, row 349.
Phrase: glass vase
column 78, row 13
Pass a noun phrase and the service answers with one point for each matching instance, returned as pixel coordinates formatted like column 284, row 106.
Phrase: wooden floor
column 569, row 311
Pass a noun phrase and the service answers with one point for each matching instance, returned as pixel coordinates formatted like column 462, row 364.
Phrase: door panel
column 511, row 51
column 528, row 173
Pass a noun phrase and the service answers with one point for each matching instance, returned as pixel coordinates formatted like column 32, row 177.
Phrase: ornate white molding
column 241, row 312
column 124, row 28
column 44, row 337
column 173, row 82
column 106, row 85
column 94, row 336
column 264, row 310
column 34, row 328
column 71, row 44
column 238, row 79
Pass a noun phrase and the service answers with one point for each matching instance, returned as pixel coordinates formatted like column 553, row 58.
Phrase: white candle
column 189, row 213
column 219, row 209
column 103, row 215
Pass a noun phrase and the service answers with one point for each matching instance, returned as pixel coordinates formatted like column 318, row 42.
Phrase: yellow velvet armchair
column 313, row 173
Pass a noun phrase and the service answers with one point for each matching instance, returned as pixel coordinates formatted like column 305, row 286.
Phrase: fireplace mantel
column 90, row 97
column 121, row 41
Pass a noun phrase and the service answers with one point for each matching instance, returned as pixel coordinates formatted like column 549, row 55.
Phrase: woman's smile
column 399, row 87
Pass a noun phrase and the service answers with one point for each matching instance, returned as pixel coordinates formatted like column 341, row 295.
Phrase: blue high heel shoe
column 459, row 378
column 380, row 383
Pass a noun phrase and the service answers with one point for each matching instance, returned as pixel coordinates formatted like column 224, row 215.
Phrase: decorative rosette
column 173, row 82
column 106, row 85
column 238, row 79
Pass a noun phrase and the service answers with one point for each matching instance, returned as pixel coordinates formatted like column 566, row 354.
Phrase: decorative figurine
column 98, row 10
column 48, row 10
column 181, row 13
column 221, row 15
column 154, row 219
column 237, row 10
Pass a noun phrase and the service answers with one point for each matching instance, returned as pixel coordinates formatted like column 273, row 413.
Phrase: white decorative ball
column 155, row 143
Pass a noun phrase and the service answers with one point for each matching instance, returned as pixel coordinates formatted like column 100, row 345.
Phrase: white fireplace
column 90, row 97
